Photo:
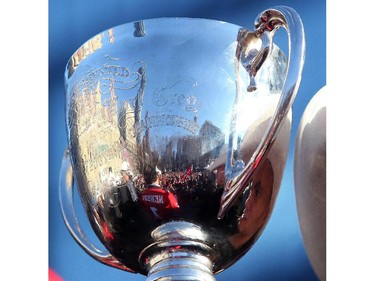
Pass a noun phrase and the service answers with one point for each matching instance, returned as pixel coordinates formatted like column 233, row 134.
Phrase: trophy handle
column 266, row 24
column 71, row 220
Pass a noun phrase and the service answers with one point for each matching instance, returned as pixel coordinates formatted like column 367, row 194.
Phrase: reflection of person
column 257, row 205
column 218, row 167
column 127, row 185
column 160, row 202
column 267, row 177
column 99, row 212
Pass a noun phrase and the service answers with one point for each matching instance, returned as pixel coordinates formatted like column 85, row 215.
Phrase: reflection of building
column 180, row 152
column 111, row 36
column 211, row 136
column 126, row 125
column 188, row 151
column 84, row 51
column 87, row 49
column 95, row 134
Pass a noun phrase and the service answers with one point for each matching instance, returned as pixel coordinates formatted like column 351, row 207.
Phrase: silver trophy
column 178, row 133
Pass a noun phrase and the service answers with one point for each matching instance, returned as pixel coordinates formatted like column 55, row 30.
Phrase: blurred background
column 279, row 253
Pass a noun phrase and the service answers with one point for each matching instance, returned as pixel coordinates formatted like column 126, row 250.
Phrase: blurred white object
column 310, row 180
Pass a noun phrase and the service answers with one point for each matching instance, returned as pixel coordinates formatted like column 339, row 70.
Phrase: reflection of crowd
column 131, row 202
column 124, row 191
column 186, row 186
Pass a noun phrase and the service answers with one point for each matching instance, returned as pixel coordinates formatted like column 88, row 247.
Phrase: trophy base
column 180, row 252
column 181, row 266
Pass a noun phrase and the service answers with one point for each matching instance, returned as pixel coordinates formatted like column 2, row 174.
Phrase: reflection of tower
column 111, row 104
column 169, row 155
column 146, row 139
column 139, row 103
column 126, row 126
column 146, row 149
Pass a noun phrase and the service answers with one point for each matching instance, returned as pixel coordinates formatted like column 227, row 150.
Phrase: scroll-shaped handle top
column 265, row 25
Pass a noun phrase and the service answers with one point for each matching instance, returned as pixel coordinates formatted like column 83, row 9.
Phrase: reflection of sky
column 279, row 251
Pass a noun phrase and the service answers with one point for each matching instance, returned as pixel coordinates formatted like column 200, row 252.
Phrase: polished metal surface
column 178, row 133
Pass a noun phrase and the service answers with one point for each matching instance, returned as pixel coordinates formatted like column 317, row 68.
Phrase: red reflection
column 106, row 231
column 159, row 201
column 53, row 276
column 188, row 173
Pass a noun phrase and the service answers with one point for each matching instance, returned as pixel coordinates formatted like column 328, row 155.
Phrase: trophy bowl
column 178, row 133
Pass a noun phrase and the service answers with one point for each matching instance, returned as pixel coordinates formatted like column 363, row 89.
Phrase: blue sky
column 279, row 252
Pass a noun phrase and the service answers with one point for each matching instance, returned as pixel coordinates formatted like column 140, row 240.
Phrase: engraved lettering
column 111, row 76
column 178, row 93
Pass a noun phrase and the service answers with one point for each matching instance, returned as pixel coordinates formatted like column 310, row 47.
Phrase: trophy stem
column 180, row 252
column 180, row 265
